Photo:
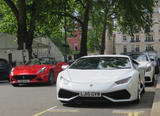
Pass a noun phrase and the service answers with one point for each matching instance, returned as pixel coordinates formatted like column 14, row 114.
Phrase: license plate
column 23, row 81
column 90, row 94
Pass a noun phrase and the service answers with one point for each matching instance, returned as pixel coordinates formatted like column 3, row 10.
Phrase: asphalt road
column 40, row 100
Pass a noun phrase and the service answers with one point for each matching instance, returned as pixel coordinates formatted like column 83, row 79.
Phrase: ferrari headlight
column 148, row 69
column 123, row 81
column 12, row 70
column 42, row 69
column 64, row 80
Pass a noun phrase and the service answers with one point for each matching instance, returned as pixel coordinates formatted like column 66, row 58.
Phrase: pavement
column 156, row 102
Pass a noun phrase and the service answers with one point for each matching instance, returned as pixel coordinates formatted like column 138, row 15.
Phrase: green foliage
column 126, row 16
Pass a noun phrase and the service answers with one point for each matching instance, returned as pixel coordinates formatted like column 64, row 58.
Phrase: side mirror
column 142, row 67
column 64, row 67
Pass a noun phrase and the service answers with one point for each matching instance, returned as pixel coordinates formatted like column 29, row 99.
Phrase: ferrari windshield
column 108, row 63
column 45, row 60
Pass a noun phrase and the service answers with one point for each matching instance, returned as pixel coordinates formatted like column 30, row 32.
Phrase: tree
column 127, row 16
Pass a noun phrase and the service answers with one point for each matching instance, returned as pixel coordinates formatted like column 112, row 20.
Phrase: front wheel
column 51, row 78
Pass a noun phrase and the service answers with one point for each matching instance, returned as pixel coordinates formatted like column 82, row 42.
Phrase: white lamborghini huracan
column 115, row 78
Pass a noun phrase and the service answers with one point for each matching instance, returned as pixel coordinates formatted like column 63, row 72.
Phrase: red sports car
column 38, row 70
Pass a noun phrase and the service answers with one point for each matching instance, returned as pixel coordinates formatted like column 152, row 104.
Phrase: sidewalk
column 156, row 102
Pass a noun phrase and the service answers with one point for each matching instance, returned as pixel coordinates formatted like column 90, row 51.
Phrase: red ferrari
column 38, row 70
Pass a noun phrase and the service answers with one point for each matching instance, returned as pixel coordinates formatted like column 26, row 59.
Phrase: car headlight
column 64, row 80
column 148, row 69
column 12, row 70
column 123, row 81
column 42, row 69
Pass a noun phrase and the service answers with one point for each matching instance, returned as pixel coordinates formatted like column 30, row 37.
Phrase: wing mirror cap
column 142, row 67
column 64, row 67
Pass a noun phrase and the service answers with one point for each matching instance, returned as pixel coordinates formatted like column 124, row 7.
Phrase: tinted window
column 101, row 63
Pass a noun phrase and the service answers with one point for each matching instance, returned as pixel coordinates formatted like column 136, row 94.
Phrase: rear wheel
column 51, row 78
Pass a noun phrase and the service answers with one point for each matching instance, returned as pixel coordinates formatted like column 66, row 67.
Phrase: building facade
column 74, row 40
column 141, row 41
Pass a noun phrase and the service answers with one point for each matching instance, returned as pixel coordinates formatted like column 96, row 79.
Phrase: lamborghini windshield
column 107, row 63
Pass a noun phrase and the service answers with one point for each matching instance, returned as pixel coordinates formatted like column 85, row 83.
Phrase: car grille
column 66, row 94
column 91, row 99
column 24, row 77
column 118, row 95
column 147, row 79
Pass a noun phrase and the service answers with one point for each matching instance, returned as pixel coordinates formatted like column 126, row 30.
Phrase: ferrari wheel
column 51, row 78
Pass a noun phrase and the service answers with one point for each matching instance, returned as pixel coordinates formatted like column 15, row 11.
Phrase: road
column 40, row 100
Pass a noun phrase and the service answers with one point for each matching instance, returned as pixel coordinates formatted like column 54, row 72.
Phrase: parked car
column 4, row 69
column 115, row 78
column 38, row 70
column 144, row 59
column 154, row 58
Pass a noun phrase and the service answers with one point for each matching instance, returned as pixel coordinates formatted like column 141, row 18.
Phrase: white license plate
column 23, row 81
column 90, row 94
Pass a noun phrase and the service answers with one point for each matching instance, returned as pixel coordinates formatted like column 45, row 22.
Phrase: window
column 75, row 35
column 137, row 48
column 149, row 38
column 132, row 48
column 124, row 38
column 75, row 46
column 149, row 47
column 132, row 38
column 137, row 38
column 124, row 49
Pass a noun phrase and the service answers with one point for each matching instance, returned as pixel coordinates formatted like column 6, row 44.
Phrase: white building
column 41, row 47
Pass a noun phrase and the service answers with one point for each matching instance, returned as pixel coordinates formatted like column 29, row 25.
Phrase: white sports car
column 115, row 78
column 144, row 59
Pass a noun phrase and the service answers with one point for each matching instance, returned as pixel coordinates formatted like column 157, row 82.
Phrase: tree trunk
column 83, row 49
column 22, row 29
column 104, row 33
column 30, row 34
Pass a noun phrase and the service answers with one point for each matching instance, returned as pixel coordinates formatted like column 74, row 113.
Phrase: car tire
column 15, row 85
column 51, row 78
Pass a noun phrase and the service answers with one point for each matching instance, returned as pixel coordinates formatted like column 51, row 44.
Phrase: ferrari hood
column 27, row 69
column 99, row 76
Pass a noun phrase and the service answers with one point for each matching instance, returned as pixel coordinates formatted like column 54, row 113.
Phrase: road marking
column 129, row 112
column 64, row 110
column 40, row 113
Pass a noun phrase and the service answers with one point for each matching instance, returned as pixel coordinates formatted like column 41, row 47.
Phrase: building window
column 124, row 49
column 149, row 47
column 132, row 38
column 149, row 38
column 137, row 38
column 124, row 38
column 132, row 48
column 75, row 47
column 137, row 48
column 75, row 35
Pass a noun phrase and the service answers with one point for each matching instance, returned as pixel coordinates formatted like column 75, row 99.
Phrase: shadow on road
column 36, row 85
